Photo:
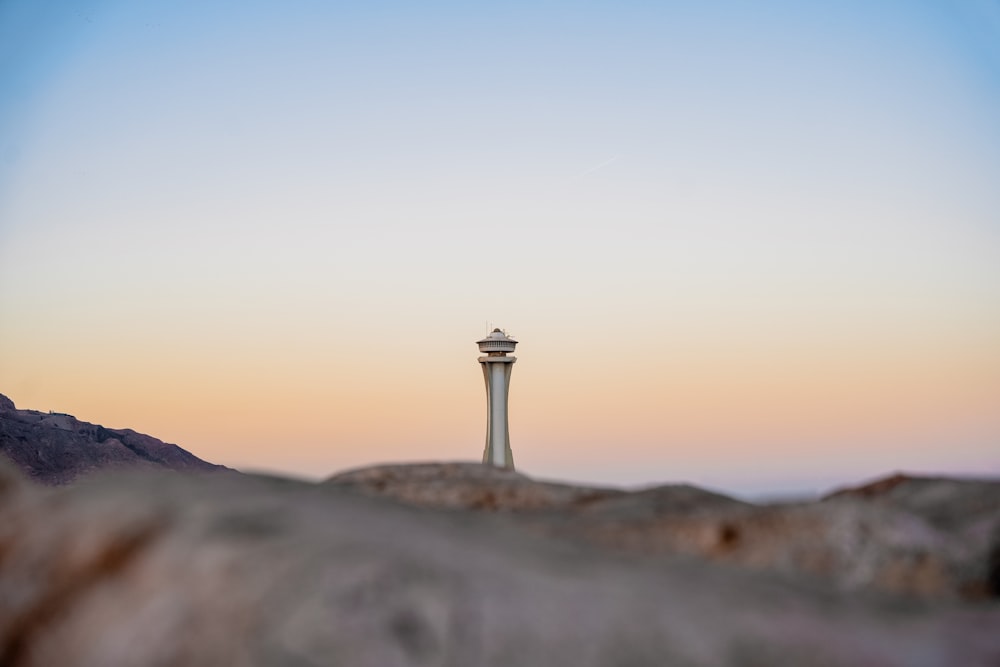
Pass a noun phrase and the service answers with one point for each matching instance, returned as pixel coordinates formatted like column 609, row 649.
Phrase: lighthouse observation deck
column 497, row 344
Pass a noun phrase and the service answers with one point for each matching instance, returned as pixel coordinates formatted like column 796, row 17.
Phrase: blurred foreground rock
column 164, row 569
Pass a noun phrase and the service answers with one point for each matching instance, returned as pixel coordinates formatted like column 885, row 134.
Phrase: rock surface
column 56, row 448
column 935, row 538
column 147, row 569
column 461, row 485
column 464, row 564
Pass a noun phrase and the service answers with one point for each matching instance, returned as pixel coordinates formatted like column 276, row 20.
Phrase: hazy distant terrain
column 56, row 448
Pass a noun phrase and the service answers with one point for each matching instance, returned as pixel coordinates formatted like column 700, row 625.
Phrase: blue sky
column 733, row 213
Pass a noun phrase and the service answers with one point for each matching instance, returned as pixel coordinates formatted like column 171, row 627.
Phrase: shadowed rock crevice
column 729, row 537
column 993, row 570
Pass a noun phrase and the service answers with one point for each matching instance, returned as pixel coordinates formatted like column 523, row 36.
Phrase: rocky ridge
column 56, row 448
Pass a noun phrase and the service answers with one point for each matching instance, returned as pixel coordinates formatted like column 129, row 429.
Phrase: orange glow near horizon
column 703, row 401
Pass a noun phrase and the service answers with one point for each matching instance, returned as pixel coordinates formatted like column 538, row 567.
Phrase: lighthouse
column 496, row 372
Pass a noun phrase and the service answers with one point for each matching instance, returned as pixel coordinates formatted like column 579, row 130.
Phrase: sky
column 751, row 246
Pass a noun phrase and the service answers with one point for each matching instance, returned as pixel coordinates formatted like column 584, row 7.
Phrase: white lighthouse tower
column 496, row 372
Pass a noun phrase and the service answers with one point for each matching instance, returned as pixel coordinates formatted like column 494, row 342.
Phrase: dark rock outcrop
column 153, row 569
column 56, row 448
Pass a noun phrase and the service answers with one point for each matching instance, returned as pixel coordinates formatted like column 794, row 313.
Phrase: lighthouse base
column 508, row 459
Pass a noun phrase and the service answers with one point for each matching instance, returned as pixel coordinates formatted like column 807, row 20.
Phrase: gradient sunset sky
column 753, row 246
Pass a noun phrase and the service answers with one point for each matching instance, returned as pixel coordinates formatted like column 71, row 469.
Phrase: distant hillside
column 56, row 448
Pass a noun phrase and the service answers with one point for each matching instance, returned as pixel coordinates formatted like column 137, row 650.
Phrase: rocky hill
column 56, row 448
column 460, row 564
column 923, row 537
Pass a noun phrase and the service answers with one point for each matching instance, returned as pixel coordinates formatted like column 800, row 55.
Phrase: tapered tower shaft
column 497, row 367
